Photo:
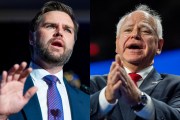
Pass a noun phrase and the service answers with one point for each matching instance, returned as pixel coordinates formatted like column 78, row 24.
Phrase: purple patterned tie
column 55, row 108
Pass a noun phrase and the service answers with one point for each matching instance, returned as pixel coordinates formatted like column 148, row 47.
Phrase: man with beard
column 133, row 89
column 30, row 94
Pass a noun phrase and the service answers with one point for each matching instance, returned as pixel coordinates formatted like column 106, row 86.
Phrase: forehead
column 57, row 17
column 138, row 17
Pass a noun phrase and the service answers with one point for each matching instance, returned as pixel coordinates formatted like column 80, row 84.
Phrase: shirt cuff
column 104, row 105
column 148, row 112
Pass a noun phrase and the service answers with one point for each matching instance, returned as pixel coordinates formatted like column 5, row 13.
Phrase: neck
column 51, row 68
column 135, row 67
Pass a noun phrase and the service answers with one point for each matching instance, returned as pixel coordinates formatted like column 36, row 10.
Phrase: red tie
column 135, row 77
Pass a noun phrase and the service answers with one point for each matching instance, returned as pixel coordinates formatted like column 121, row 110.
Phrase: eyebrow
column 147, row 26
column 65, row 25
column 141, row 25
column 70, row 27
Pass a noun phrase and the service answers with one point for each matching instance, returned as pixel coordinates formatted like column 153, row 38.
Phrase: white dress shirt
column 37, row 74
column 147, row 112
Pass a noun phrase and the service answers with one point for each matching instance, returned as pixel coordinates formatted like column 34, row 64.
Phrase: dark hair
column 54, row 6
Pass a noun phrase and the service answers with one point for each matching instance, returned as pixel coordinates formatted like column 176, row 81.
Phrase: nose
column 136, row 35
column 58, row 32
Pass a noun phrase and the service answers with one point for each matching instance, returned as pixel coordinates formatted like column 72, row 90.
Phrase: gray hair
column 147, row 10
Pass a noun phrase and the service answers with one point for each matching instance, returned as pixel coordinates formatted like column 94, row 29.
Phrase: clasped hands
column 119, row 84
column 12, row 99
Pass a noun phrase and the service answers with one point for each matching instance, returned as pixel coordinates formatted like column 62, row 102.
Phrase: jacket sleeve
column 96, row 84
column 166, row 99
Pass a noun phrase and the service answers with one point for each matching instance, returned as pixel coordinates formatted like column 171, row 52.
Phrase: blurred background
column 15, row 16
column 106, row 14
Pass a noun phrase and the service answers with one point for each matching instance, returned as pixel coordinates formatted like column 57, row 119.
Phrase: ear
column 160, row 45
column 117, row 46
column 31, row 38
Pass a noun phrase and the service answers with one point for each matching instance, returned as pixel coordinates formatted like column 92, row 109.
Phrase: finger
column 114, row 78
column 113, row 75
column 117, row 85
column 4, row 78
column 9, row 78
column 125, row 77
column 13, row 69
column 113, row 65
column 117, row 59
column 22, row 67
column 123, row 90
column 18, row 72
column 28, row 95
column 24, row 75
column 122, row 78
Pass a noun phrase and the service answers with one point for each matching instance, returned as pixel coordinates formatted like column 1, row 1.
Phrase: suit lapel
column 72, row 101
column 32, row 108
column 150, row 82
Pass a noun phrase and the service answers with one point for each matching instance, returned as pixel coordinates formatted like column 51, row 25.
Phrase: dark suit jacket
column 164, row 90
column 79, row 105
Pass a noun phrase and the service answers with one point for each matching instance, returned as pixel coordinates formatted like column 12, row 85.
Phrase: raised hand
column 12, row 99
column 114, row 83
column 119, row 84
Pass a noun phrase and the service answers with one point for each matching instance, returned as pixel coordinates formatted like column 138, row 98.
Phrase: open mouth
column 135, row 46
column 57, row 44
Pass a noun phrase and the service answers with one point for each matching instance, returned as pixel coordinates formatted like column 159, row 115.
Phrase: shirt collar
column 143, row 72
column 38, row 73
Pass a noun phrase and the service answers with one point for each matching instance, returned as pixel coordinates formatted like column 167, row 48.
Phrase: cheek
column 44, row 38
column 70, row 44
column 151, row 46
column 122, row 42
column 152, row 42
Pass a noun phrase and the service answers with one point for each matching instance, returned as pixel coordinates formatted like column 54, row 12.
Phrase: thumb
column 28, row 95
column 118, row 60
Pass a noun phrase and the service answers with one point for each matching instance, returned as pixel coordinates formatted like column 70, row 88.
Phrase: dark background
column 15, row 16
column 105, row 14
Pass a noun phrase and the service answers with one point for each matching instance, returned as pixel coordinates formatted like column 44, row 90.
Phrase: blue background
column 166, row 62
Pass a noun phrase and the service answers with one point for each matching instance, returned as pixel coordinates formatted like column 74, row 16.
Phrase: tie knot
column 50, row 79
column 135, row 77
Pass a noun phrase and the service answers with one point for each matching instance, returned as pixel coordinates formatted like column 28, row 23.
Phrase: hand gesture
column 12, row 99
column 119, row 84
column 114, row 83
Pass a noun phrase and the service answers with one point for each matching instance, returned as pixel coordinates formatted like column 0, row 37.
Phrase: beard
column 48, row 56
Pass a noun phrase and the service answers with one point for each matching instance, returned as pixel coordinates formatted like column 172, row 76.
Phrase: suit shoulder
column 170, row 79
column 79, row 91
column 96, row 78
column 170, row 76
column 97, row 82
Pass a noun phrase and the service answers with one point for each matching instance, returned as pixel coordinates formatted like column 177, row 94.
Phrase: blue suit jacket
column 163, row 89
column 78, row 100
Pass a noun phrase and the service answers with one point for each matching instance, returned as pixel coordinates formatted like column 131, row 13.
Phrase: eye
column 127, row 30
column 67, row 29
column 146, row 31
column 50, row 26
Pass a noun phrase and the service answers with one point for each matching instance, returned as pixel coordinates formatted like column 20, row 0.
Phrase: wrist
column 109, row 97
column 141, row 104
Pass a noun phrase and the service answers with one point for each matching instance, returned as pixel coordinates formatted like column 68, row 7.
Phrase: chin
column 134, row 60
